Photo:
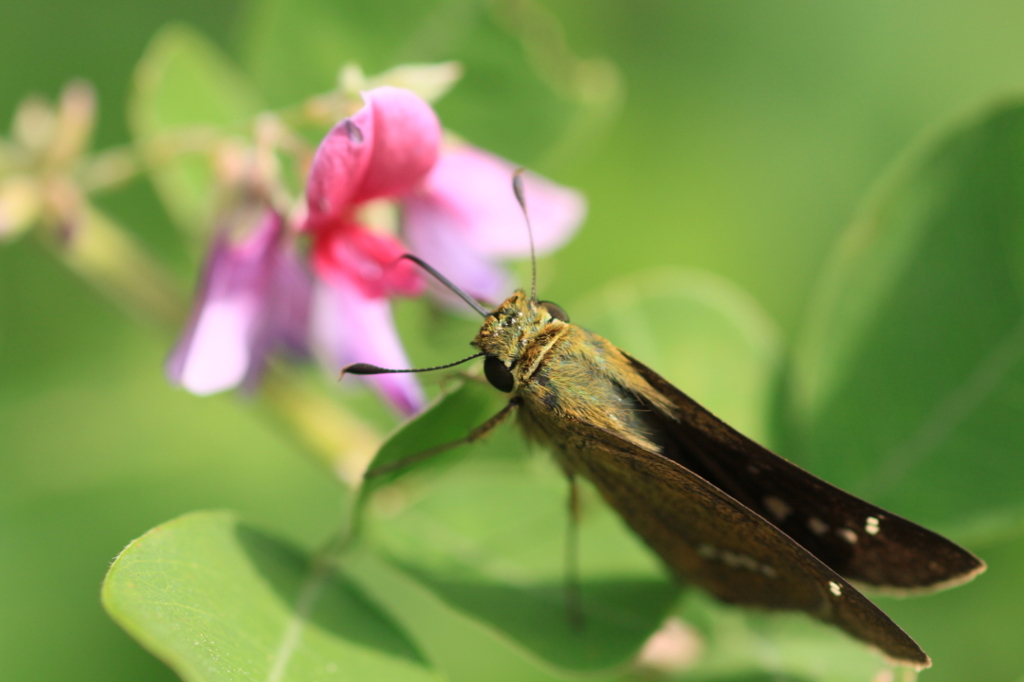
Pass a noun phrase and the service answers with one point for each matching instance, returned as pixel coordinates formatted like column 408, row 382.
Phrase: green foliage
column 478, row 542
column 487, row 537
column 187, row 94
column 481, row 540
column 909, row 365
column 755, row 646
column 218, row 600
column 906, row 378
column 294, row 48
column 445, row 421
column 902, row 383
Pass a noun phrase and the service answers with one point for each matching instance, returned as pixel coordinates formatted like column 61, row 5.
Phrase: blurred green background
column 748, row 136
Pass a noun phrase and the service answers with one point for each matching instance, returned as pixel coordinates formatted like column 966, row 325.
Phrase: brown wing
column 857, row 540
column 707, row 537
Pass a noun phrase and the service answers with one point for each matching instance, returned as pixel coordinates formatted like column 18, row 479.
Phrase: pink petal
column 369, row 259
column 348, row 327
column 433, row 235
column 286, row 306
column 474, row 188
column 405, row 136
column 338, row 169
column 292, row 291
column 222, row 342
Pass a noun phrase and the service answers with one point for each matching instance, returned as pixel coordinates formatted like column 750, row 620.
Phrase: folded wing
column 858, row 540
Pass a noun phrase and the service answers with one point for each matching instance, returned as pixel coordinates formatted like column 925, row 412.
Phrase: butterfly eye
column 498, row 374
column 555, row 311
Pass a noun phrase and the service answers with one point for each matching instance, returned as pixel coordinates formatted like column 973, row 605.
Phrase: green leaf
column 187, row 98
column 698, row 330
column 464, row 647
column 218, row 600
column 488, row 539
column 906, row 381
column 446, row 420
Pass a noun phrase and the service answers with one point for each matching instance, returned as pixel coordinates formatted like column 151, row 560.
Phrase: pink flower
column 253, row 300
column 384, row 150
column 459, row 214
column 464, row 218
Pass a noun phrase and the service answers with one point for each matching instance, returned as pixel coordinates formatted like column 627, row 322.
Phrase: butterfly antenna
column 448, row 283
column 362, row 368
column 517, row 187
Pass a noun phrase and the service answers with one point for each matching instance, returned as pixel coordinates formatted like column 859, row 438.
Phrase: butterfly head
column 510, row 330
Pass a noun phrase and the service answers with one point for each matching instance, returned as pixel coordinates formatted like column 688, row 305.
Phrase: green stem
column 106, row 256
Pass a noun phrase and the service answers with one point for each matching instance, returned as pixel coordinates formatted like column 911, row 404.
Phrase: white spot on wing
column 817, row 526
column 706, row 551
column 871, row 525
column 734, row 559
column 834, row 588
column 739, row 560
column 848, row 535
column 777, row 507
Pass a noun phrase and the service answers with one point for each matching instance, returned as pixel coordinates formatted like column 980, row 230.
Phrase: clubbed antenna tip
column 363, row 369
column 520, row 192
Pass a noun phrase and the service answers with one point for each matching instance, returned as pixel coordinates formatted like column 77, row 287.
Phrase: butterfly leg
column 473, row 436
column 573, row 594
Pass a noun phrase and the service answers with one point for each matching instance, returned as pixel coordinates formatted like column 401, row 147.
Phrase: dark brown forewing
column 707, row 537
column 857, row 540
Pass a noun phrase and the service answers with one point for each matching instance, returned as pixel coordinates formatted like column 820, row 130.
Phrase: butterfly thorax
column 562, row 371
